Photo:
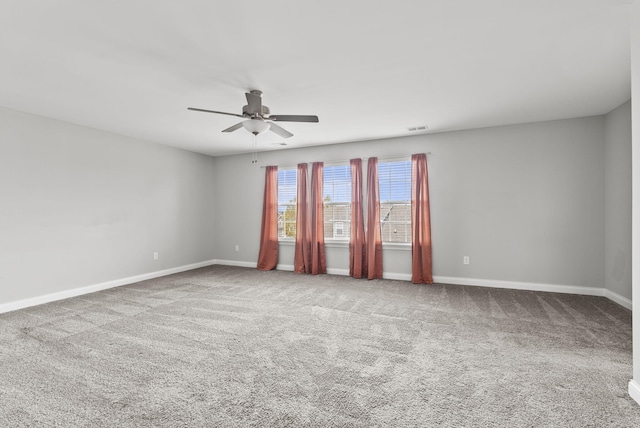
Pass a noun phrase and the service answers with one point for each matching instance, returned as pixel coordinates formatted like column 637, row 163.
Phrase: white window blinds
column 395, row 201
column 337, row 202
column 287, row 194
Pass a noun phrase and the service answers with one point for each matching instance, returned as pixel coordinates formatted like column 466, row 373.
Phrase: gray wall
column 618, row 200
column 80, row 207
column 634, row 17
column 524, row 202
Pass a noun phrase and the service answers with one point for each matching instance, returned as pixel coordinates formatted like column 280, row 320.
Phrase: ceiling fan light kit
column 256, row 126
column 259, row 117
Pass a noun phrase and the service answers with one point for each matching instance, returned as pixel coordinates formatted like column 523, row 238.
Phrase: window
column 395, row 201
column 337, row 202
column 287, row 193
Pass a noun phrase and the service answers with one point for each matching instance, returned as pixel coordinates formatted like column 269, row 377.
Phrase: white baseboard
column 235, row 263
column 39, row 300
column 634, row 390
column 621, row 300
column 553, row 288
column 532, row 286
column 516, row 285
column 396, row 276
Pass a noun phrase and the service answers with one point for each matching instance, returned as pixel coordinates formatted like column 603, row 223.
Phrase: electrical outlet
column 237, row 247
column 465, row 260
column 155, row 256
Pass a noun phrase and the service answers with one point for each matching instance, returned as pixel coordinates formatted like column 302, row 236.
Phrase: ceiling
column 369, row 70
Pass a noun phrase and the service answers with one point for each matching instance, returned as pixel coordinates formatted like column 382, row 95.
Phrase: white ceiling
column 368, row 69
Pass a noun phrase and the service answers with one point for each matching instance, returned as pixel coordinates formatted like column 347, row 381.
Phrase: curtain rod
column 388, row 159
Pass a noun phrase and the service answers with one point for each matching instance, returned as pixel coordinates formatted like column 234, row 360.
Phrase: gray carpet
column 234, row 347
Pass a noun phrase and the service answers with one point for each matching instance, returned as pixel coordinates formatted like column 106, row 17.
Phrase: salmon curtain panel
column 318, row 259
column 357, row 248
column 268, row 256
column 374, row 232
column 302, row 256
column 420, row 222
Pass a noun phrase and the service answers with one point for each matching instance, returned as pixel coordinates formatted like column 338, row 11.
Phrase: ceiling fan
column 259, row 118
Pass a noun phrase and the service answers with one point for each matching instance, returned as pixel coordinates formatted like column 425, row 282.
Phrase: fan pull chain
column 254, row 154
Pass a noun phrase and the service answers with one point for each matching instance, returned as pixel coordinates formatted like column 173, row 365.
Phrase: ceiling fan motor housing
column 249, row 113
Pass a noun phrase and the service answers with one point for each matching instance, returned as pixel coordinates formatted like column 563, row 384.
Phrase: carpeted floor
column 233, row 347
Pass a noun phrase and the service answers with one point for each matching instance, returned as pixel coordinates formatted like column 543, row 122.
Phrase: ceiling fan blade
column 280, row 131
column 213, row 111
column 233, row 128
column 254, row 102
column 292, row 118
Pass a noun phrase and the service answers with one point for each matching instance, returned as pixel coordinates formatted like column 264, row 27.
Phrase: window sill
column 396, row 246
column 327, row 243
column 336, row 244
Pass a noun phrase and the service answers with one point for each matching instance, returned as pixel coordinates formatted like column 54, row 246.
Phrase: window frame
column 331, row 239
column 406, row 244
column 292, row 203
